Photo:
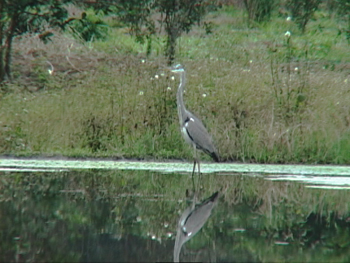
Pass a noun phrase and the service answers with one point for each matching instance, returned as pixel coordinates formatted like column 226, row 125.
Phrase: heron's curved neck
column 180, row 100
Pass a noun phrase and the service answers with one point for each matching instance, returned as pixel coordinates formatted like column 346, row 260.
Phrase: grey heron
column 192, row 128
column 192, row 220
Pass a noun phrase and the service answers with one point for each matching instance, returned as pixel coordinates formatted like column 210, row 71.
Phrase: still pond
column 128, row 211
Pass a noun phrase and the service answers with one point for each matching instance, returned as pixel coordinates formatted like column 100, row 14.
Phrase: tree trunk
column 171, row 45
column 173, row 31
column 8, row 44
column 2, row 47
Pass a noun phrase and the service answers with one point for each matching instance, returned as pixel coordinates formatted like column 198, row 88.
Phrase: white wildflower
column 287, row 34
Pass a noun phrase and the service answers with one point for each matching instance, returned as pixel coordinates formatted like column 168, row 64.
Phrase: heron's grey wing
column 200, row 136
column 197, row 217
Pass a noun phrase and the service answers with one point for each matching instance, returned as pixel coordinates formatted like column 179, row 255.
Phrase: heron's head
column 177, row 69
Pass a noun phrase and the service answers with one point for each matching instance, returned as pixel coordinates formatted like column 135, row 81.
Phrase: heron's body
column 196, row 135
column 192, row 128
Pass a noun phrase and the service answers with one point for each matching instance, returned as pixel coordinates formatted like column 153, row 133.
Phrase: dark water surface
column 132, row 216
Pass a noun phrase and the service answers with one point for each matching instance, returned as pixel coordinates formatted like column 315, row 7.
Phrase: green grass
column 263, row 99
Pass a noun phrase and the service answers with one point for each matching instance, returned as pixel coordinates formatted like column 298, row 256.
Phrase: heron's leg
column 195, row 159
column 199, row 171
column 198, row 164
column 194, row 168
column 199, row 167
column 194, row 200
column 194, row 165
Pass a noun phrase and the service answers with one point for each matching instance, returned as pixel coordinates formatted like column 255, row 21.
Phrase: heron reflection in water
column 192, row 220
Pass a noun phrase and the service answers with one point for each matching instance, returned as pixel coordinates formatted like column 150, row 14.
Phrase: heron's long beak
column 167, row 68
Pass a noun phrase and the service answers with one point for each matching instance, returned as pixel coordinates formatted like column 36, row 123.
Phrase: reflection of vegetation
column 45, row 214
column 94, row 216
column 288, row 222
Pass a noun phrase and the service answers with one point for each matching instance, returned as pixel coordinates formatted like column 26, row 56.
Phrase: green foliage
column 342, row 9
column 302, row 11
column 259, row 11
column 179, row 17
column 18, row 17
column 175, row 16
column 89, row 27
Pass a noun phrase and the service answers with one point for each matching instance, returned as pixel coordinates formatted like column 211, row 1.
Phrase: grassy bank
column 264, row 97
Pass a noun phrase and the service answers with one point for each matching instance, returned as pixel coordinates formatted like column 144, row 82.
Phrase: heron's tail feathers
column 215, row 156
column 211, row 199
